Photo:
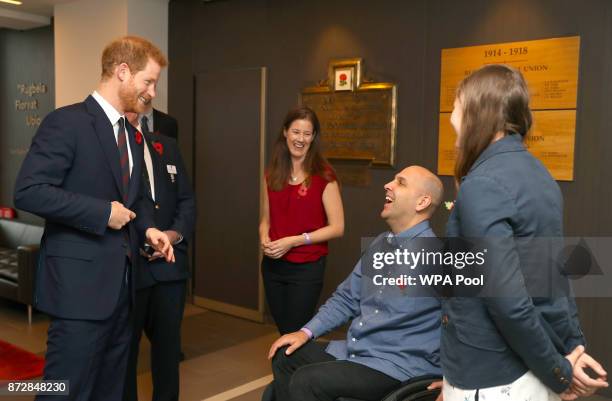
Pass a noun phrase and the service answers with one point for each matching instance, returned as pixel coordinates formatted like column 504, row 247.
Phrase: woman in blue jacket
column 508, row 343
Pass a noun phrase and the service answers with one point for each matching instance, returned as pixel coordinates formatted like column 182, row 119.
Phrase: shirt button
column 156, row 206
column 380, row 291
column 445, row 320
column 361, row 323
column 352, row 355
column 354, row 339
column 376, row 311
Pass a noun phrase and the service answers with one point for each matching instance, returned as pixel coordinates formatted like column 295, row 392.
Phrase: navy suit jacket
column 69, row 177
column 509, row 198
column 174, row 208
column 165, row 124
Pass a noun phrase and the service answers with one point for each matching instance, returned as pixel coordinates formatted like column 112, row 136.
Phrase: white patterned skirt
column 525, row 388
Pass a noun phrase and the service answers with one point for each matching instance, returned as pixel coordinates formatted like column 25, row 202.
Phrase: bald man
column 394, row 335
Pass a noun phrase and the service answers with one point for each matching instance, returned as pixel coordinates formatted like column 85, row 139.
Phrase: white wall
column 82, row 29
column 149, row 19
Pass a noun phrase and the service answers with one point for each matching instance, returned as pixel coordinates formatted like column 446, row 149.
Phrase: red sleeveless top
column 298, row 209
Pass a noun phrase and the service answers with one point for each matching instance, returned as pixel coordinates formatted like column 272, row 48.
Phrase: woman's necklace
column 294, row 178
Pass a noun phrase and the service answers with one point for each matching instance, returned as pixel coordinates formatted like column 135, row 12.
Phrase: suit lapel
column 106, row 136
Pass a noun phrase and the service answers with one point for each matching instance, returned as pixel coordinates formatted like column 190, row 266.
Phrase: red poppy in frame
column 159, row 148
column 343, row 77
column 138, row 137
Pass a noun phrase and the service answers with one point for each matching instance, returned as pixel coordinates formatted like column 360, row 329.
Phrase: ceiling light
column 16, row 2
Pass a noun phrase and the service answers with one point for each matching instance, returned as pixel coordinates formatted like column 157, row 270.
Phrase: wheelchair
column 414, row 389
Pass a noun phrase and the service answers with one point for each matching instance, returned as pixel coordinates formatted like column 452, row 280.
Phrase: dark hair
column 494, row 99
column 279, row 168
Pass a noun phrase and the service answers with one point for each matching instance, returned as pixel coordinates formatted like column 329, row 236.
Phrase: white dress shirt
column 149, row 163
column 114, row 116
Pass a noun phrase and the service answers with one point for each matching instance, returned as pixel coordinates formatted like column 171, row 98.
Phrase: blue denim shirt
column 391, row 332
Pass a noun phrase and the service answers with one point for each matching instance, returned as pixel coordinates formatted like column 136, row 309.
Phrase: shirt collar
column 410, row 233
column 148, row 115
column 509, row 143
column 112, row 113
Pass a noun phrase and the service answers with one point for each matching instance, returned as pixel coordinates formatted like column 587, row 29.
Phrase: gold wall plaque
column 551, row 140
column 550, row 67
column 359, row 123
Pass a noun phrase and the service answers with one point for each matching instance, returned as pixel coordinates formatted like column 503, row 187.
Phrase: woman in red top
column 302, row 210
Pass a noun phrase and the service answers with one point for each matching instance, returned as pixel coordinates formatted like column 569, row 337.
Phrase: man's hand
column 582, row 384
column 173, row 236
column 120, row 216
column 276, row 249
column 161, row 243
column 437, row 385
column 295, row 340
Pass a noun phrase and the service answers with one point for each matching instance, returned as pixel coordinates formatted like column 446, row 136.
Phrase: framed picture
column 343, row 78
column 358, row 117
column 344, row 74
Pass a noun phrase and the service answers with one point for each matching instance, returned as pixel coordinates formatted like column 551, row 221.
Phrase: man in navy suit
column 159, row 122
column 160, row 286
column 82, row 174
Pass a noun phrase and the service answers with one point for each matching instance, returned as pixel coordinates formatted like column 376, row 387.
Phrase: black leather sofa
column 19, row 244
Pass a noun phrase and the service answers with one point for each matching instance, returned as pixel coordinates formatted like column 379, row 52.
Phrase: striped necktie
column 144, row 125
column 123, row 158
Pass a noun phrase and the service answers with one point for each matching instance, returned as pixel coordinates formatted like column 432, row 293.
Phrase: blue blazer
column 69, row 177
column 509, row 196
column 174, row 208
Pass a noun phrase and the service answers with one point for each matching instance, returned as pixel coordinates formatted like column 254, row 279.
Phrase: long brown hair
column 494, row 99
column 279, row 168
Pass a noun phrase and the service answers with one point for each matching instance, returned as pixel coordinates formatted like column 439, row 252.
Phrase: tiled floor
column 225, row 356
column 221, row 352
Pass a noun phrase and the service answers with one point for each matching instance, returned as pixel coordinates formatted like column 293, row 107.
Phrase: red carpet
column 18, row 364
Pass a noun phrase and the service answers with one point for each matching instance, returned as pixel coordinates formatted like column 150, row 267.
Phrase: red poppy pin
column 138, row 137
column 303, row 190
column 159, row 148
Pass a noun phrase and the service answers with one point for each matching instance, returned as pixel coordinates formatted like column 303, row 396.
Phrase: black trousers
column 90, row 354
column 159, row 312
column 311, row 374
column 292, row 291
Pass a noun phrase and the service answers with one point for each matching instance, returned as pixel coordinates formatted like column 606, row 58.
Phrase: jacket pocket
column 480, row 337
column 69, row 249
